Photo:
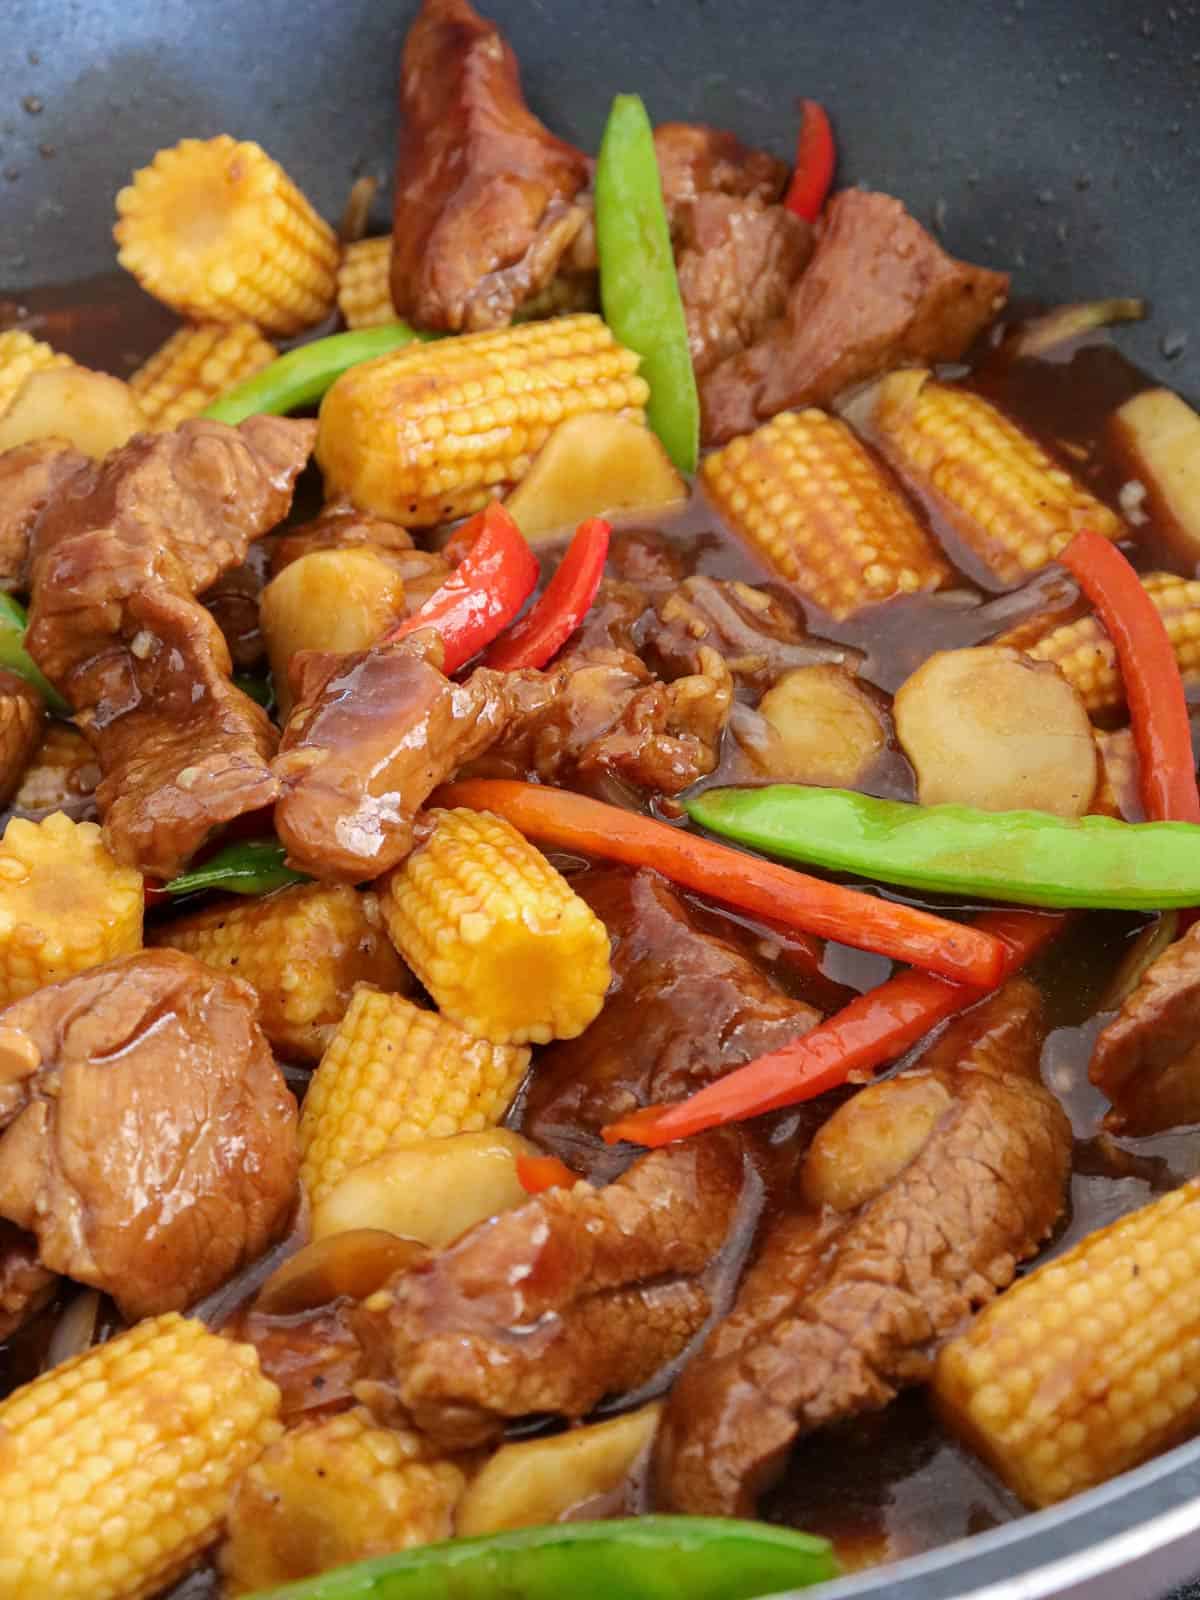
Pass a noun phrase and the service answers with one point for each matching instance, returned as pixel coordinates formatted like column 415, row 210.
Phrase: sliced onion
column 1040, row 334
column 1146, row 948
column 75, row 1330
column 352, row 1264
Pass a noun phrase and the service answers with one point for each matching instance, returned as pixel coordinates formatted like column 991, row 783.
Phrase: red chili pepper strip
column 872, row 1030
column 154, row 893
column 484, row 593
column 538, row 1173
column 1153, row 687
column 576, row 822
column 816, row 158
column 565, row 601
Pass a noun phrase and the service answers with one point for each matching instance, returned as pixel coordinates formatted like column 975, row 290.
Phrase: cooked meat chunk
column 758, row 635
column 578, row 1294
column 879, row 291
column 952, row 1172
column 312, row 1356
column 684, row 1008
column 25, row 1284
column 484, row 195
column 233, row 604
column 22, row 717
column 30, row 476
column 149, row 1139
column 1147, row 1059
column 337, row 527
column 371, row 735
column 118, row 558
column 695, row 160
column 647, row 559
column 737, row 261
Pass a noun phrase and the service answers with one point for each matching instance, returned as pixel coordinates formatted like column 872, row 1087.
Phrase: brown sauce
column 892, row 1484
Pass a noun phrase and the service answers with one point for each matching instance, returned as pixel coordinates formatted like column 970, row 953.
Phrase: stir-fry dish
column 599, row 977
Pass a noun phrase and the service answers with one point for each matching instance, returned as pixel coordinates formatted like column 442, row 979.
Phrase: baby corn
column 195, row 367
column 1083, row 652
column 116, row 1468
column 20, row 355
column 364, row 288
column 302, row 950
column 434, row 431
column 218, row 230
column 65, row 903
column 498, row 936
column 331, row 1492
column 1090, row 1364
column 1011, row 504
column 62, row 775
column 818, row 508
column 393, row 1072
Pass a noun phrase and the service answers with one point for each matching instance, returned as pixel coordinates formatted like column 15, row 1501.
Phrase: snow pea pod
column 1028, row 858
column 302, row 376
column 251, row 866
column 644, row 1558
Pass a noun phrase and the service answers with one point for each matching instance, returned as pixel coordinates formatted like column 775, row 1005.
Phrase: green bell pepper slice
column 639, row 289
column 645, row 1558
column 15, row 657
column 302, row 376
column 1028, row 858
column 251, row 866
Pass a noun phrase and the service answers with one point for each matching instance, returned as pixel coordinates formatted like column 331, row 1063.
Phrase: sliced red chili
column 816, row 159
column 566, row 600
column 536, row 1174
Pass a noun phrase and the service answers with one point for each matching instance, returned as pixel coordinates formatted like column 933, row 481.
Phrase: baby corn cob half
column 1010, row 503
column 62, row 775
column 1083, row 652
column 302, row 950
column 499, row 938
column 331, row 1492
column 433, row 431
column 394, row 1072
column 364, row 288
column 20, row 355
column 195, row 367
column 116, row 1468
column 818, row 508
column 65, row 903
column 216, row 229
column 1089, row 1365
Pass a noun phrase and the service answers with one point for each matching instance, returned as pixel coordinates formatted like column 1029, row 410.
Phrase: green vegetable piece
column 302, row 376
column 15, row 657
column 252, row 866
column 647, row 1558
column 257, row 685
column 638, row 287
column 1028, row 857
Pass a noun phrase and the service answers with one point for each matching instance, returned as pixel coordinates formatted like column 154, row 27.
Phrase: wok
column 1058, row 138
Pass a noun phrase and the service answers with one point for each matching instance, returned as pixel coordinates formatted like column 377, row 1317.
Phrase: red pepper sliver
column 1154, row 689
column 154, row 892
column 483, row 594
column 537, row 1173
column 872, row 1030
column 816, row 159
column 545, row 628
column 763, row 888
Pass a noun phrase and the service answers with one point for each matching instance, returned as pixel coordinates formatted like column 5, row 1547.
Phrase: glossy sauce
column 892, row 1484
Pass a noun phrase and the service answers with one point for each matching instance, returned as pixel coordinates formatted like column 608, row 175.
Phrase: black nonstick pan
column 1059, row 139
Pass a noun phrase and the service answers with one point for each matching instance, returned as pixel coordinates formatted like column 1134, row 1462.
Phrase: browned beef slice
column 30, row 476
column 312, row 1356
column 696, row 160
column 879, row 291
column 684, row 1008
column 484, row 193
column 371, row 735
column 737, row 261
column 841, row 1311
column 25, row 1284
column 757, row 634
column 118, row 558
column 578, row 1294
column 149, row 1139
column 1147, row 1060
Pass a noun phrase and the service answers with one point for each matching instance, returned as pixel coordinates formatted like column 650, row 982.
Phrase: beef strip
column 1147, row 1059
column 578, row 1294
column 878, row 292
column 841, row 1310
column 119, row 554
column 484, row 194
column 22, row 720
column 684, row 1008
column 759, row 637
column 695, row 160
column 338, row 527
column 149, row 1140
column 25, row 1284
column 30, row 476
